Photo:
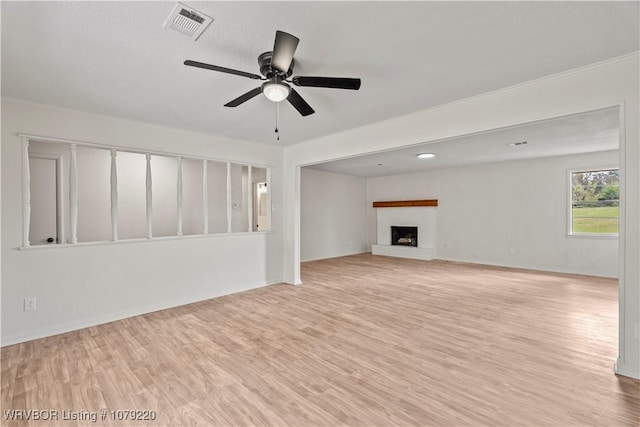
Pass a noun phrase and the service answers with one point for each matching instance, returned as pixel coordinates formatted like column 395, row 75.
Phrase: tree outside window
column 595, row 200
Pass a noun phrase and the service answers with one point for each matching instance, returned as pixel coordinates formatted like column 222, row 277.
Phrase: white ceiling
column 580, row 133
column 114, row 58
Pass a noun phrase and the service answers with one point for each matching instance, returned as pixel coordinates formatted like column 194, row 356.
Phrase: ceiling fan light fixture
column 276, row 91
column 276, row 66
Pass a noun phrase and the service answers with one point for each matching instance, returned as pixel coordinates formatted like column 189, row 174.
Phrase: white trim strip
column 114, row 196
column 229, row 199
column 179, row 193
column 149, row 195
column 250, row 198
column 40, row 138
column 205, row 198
column 26, row 193
column 269, row 207
column 73, row 193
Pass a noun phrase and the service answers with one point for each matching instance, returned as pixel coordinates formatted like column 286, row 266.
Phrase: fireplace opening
column 404, row 236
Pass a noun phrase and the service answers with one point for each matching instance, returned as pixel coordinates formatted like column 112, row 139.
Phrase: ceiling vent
column 188, row 21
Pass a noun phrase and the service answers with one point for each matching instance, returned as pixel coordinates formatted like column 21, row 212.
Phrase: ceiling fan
column 276, row 68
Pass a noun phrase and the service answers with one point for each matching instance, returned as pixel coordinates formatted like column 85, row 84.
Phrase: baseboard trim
column 333, row 256
column 112, row 317
column 626, row 371
column 528, row 267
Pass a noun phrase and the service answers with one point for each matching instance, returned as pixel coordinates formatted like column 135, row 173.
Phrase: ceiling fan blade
column 283, row 49
column 299, row 104
column 197, row 64
column 330, row 82
column 244, row 98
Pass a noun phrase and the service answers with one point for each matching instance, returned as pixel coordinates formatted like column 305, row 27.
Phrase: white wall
column 217, row 188
column 485, row 211
column 239, row 215
column 192, row 221
column 333, row 215
column 611, row 83
column 85, row 285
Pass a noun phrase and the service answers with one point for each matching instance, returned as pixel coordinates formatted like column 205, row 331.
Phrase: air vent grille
column 188, row 21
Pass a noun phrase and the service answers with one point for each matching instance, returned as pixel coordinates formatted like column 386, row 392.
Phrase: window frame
column 582, row 235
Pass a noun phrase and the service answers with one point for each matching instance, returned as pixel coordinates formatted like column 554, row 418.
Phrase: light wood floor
column 366, row 341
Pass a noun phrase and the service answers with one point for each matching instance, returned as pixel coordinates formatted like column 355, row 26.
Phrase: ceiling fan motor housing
column 264, row 61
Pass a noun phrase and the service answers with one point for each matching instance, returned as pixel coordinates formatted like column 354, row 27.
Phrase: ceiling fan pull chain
column 277, row 114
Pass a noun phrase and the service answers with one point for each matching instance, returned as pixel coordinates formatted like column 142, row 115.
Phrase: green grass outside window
column 597, row 220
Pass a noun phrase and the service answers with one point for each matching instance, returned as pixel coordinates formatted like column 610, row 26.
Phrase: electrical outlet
column 512, row 251
column 30, row 304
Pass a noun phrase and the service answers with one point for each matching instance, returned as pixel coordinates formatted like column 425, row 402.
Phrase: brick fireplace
column 406, row 229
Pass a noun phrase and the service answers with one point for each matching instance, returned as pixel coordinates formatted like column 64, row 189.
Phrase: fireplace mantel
column 405, row 203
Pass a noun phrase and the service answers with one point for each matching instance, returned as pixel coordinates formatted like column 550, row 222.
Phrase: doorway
column 260, row 203
column 46, row 224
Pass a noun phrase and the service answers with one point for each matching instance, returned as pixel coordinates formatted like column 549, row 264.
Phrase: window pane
column 595, row 201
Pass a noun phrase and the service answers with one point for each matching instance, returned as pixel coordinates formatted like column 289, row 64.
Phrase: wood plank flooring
column 366, row 341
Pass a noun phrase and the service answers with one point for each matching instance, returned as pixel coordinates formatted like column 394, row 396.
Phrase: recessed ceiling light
column 426, row 155
column 517, row 144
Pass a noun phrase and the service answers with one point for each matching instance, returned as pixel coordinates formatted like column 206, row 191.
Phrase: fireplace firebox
column 404, row 236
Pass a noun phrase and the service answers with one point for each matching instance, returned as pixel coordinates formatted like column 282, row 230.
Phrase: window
column 595, row 202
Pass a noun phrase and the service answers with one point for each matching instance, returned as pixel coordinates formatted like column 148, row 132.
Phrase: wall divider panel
column 111, row 194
